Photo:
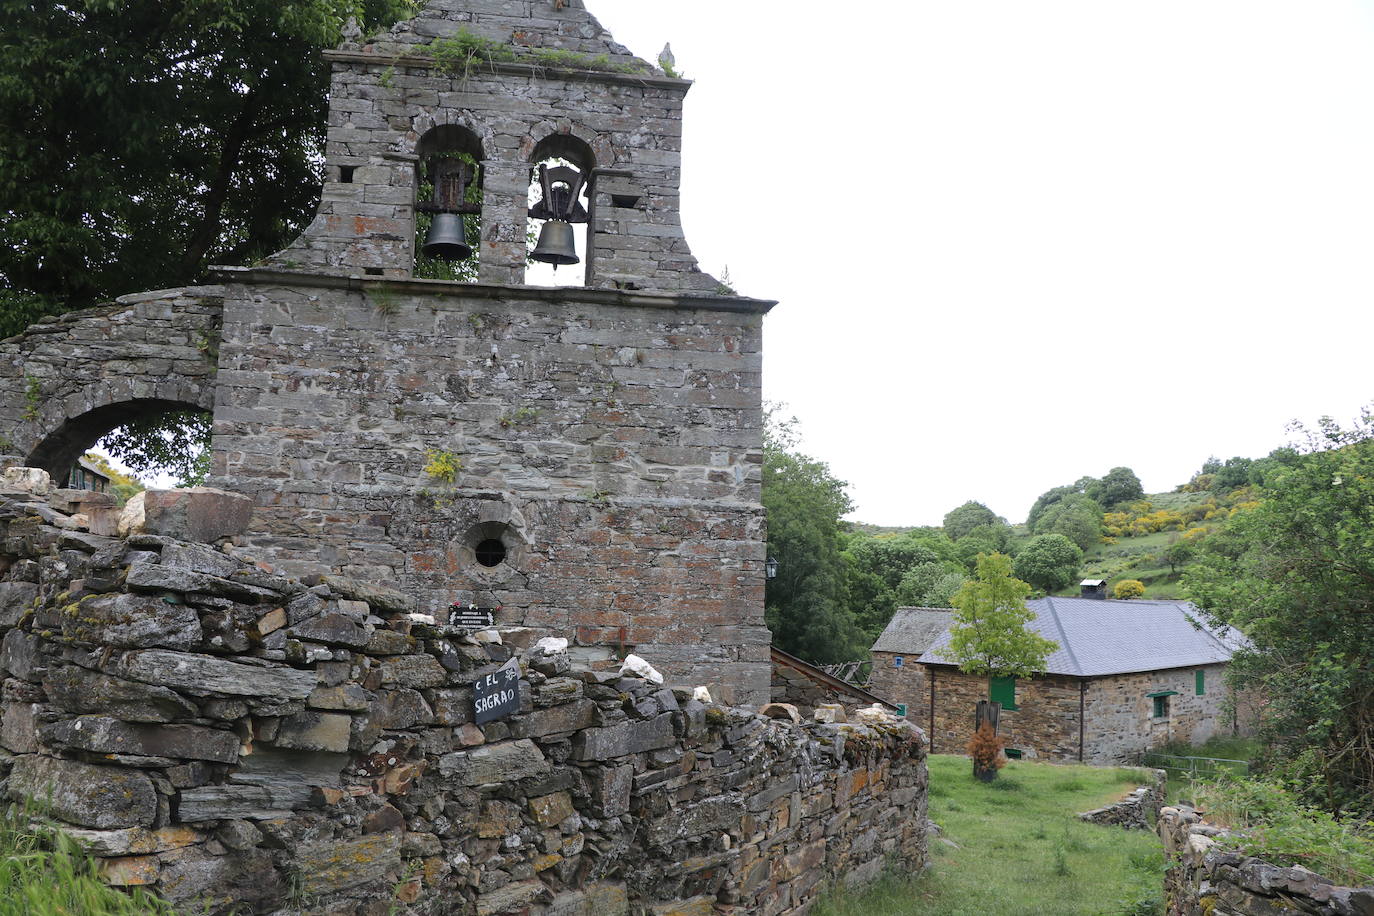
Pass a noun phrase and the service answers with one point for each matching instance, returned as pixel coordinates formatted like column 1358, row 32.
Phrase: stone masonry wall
column 907, row 684
column 235, row 739
column 68, row 380
column 387, row 94
column 1120, row 712
column 1205, row 879
column 613, row 445
column 1045, row 725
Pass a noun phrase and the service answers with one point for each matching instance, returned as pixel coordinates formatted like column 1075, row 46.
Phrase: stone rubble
column 235, row 740
column 1205, row 879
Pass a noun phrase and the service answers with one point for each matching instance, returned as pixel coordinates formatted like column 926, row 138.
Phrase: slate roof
column 912, row 630
column 1098, row 637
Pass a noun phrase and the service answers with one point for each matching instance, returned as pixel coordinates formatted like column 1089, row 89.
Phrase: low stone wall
column 234, row 739
column 1205, row 880
column 1137, row 811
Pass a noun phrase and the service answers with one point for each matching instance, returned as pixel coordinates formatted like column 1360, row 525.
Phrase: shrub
column 1269, row 822
column 1128, row 588
column 986, row 749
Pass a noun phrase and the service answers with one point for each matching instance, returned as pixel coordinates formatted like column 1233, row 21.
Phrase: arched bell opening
column 448, row 204
column 559, row 204
column 156, row 438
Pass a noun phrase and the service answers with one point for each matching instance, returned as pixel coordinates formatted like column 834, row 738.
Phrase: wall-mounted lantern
column 561, row 187
column 770, row 568
column 447, row 238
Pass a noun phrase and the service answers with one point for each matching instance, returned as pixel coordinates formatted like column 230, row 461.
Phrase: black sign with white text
column 471, row 617
column 498, row 694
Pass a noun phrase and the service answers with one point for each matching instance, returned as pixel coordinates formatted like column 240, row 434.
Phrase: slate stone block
column 504, row 762
column 78, row 690
column 85, row 794
column 315, row 731
column 621, row 740
column 202, row 674
column 133, row 622
column 104, row 735
column 213, row 803
column 338, row 865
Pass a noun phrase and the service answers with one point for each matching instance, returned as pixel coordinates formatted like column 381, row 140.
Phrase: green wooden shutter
column 1002, row 690
column 1201, row 685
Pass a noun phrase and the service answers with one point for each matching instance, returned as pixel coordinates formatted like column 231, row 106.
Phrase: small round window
column 490, row 552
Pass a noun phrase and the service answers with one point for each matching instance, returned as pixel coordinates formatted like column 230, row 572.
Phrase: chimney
column 1093, row 588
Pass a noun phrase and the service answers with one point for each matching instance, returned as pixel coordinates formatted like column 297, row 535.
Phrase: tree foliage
column 1120, row 485
column 989, row 634
column 807, row 608
column 141, row 141
column 908, row 569
column 1295, row 573
column 971, row 515
column 1076, row 517
column 176, row 443
column 1048, row 562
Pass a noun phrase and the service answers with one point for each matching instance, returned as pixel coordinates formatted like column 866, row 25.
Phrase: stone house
column 896, row 674
column 1127, row 676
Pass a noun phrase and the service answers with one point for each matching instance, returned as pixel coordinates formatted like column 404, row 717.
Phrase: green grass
column 43, row 873
column 1014, row 847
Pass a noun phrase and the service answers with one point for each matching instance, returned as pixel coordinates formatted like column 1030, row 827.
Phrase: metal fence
column 1196, row 767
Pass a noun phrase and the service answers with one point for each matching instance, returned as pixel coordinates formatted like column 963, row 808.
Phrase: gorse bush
column 1269, row 822
column 46, row 873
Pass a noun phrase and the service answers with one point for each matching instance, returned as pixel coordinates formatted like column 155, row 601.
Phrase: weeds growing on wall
column 46, row 873
column 467, row 53
column 1269, row 822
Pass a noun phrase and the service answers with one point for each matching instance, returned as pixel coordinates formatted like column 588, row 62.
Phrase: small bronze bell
column 556, row 244
column 447, row 239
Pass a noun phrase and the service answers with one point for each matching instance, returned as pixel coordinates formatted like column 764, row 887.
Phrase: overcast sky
column 1020, row 242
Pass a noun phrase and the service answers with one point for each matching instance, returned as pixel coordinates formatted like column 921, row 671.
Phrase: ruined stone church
column 583, row 460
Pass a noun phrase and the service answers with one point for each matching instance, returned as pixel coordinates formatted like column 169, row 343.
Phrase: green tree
column 1048, row 562
column 141, row 141
column 1296, row 575
column 1049, row 498
column 1179, row 553
column 1076, row 517
column 1120, row 485
column 807, row 607
column 964, row 519
column 989, row 634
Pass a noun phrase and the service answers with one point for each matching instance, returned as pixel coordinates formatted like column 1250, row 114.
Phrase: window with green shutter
column 1161, row 702
column 1002, row 690
column 1201, row 685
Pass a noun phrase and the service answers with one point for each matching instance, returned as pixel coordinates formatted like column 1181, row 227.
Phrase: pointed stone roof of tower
column 554, row 32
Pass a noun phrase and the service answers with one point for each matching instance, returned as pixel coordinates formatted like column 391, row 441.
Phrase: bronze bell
column 556, row 244
column 447, row 239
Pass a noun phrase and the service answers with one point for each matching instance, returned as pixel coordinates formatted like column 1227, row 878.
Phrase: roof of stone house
column 1098, row 637
column 912, row 630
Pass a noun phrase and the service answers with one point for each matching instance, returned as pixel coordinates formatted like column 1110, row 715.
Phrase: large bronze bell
column 447, row 239
column 556, row 244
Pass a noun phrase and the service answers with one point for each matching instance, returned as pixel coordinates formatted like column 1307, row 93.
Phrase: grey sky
column 1017, row 243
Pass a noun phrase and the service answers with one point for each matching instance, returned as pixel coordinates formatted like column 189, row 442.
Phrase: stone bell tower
column 587, row 458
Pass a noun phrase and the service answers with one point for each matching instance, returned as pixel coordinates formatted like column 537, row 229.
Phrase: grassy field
column 1015, row 848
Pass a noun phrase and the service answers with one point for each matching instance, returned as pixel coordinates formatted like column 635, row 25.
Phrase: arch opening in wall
column 559, row 196
column 448, row 204
column 491, row 551
column 161, row 440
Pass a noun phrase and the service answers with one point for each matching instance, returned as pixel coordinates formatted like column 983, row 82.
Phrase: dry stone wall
column 233, row 738
column 1137, row 811
column 1205, row 879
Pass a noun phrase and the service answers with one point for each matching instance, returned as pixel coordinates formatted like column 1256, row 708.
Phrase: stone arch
column 74, row 436
column 429, row 122
column 69, row 380
column 548, row 135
